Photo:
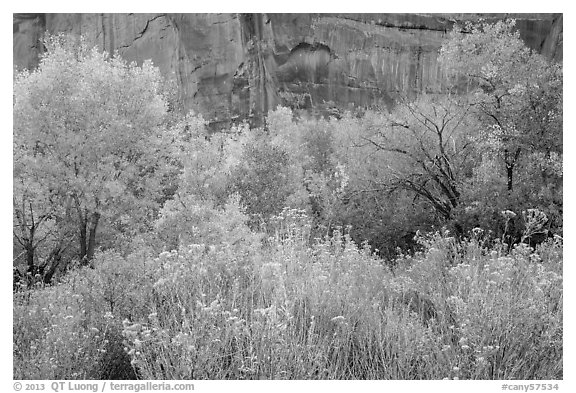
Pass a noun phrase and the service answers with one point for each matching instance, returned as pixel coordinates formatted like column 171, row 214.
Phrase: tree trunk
column 92, row 235
column 53, row 262
column 510, row 176
column 30, row 257
column 510, row 164
column 83, row 248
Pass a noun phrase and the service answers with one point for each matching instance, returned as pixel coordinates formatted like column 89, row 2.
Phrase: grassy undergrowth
column 291, row 309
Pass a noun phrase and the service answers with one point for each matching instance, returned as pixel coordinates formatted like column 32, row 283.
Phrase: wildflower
column 136, row 327
column 477, row 231
column 160, row 282
column 508, row 214
column 534, row 216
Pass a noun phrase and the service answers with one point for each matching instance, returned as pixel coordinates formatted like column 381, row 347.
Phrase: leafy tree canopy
column 89, row 142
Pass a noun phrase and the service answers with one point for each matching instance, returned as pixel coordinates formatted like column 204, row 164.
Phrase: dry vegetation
column 296, row 309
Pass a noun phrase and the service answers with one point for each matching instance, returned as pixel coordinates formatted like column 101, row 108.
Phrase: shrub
column 296, row 308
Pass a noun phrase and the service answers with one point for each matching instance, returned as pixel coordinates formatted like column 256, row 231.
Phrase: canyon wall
column 236, row 67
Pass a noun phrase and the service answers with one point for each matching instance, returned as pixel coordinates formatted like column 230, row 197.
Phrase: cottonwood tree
column 203, row 209
column 313, row 155
column 516, row 94
column 88, row 143
column 266, row 178
column 40, row 221
column 424, row 147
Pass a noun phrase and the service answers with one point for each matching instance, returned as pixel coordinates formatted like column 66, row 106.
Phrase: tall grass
column 293, row 308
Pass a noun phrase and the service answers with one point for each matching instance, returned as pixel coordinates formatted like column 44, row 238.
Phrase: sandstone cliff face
column 232, row 67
